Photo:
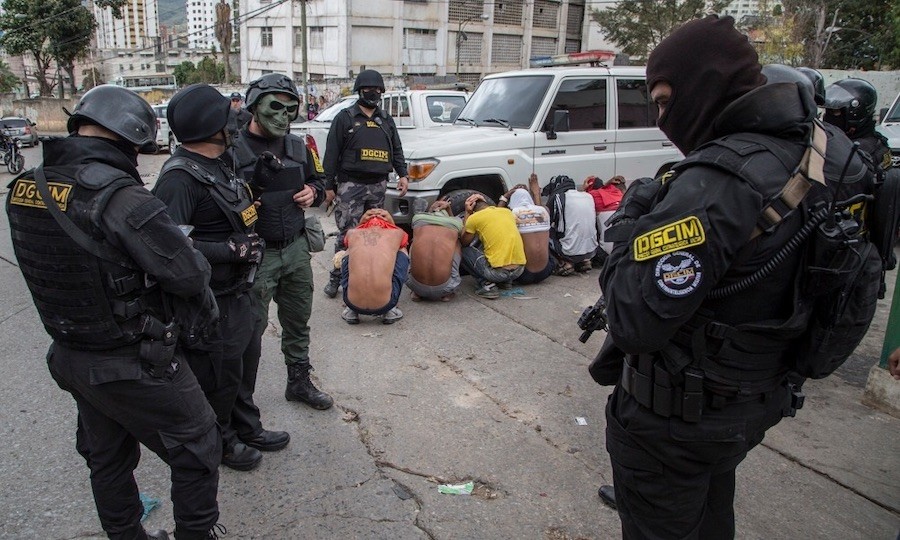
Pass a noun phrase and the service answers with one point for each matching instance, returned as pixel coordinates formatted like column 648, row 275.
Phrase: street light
column 460, row 36
column 831, row 30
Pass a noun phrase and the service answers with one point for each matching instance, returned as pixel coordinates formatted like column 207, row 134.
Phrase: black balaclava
column 708, row 64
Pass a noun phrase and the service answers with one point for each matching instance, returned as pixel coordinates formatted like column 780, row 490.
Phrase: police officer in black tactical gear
column 115, row 282
column 285, row 177
column 201, row 191
column 363, row 148
column 858, row 176
column 850, row 105
column 699, row 376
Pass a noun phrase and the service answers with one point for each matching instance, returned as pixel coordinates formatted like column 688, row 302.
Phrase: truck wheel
column 457, row 200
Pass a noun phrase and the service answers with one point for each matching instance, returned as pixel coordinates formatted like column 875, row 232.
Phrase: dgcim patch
column 25, row 193
column 684, row 233
column 371, row 154
column 249, row 215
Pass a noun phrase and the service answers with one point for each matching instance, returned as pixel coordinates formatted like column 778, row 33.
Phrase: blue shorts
column 401, row 269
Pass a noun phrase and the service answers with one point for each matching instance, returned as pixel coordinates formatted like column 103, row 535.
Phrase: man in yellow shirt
column 492, row 246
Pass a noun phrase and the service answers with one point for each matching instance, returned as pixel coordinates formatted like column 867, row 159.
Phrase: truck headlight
column 420, row 169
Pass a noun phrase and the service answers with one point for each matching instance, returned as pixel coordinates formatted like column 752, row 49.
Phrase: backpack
column 841, row 278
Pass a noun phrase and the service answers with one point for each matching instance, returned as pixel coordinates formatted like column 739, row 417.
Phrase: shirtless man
column 533, row 222
column 373, row 267
column 435, row 254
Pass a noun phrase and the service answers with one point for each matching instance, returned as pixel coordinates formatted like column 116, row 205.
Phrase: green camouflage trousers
column 351, row 202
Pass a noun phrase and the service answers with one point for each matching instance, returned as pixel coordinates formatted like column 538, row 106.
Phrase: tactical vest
column 279, row 217
column 367, row 152
column 754, row 357
column 85, row 302
column 234, row 201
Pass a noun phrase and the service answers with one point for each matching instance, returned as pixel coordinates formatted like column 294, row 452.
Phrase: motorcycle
column 12, row 156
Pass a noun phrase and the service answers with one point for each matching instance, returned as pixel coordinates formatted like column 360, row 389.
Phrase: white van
column 576, row 121
column 164, row 136
column 890, row 128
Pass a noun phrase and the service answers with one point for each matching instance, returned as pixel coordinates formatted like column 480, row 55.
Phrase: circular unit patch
column 678, row 274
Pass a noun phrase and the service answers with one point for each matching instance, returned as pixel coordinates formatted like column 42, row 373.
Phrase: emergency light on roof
column 586, row 57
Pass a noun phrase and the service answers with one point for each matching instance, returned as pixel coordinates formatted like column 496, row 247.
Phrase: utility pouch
column 315, row 235
column 158, row 347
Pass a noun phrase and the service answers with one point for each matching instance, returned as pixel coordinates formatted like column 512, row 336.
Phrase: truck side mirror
column 560, row 123
column 881, row 114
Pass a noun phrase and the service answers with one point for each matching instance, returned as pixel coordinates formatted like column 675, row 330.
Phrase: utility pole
column 303, row 59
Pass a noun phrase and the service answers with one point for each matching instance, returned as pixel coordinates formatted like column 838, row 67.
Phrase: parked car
column 164, row 136
column 410, row 109
column 890, row 128
column 20, row 129
column 576, row 121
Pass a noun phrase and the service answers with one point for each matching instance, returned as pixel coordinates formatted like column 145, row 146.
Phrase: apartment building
column 137, row 29
column 468, row 38
column 201, row 20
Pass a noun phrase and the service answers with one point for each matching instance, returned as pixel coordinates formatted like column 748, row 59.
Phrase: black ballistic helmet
column 780, row 73
column 857, row 99
column 197, row 112
column 272, row 83
column 119, row 110
column 818, row 82
column 368, row 77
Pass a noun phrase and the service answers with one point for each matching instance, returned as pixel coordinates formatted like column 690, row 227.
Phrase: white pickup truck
column 410, row 109
column 576, row 121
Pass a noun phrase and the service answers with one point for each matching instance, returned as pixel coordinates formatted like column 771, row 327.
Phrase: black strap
column 98, row 249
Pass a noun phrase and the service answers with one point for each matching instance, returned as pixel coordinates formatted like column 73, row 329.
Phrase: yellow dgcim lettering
column 668, row 238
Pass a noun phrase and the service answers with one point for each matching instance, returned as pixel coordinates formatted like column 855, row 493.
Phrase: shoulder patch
column 681, row 234
column 678, row 274
column 317, row 163
column 24, row 192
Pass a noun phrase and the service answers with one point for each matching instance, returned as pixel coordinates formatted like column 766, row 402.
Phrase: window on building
column 415, row 38
column 316, row 37
column 585, row 99
column 266, row 36
column 636, row 109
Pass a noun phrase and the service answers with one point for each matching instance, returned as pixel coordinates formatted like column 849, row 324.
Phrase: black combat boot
column 300, row 388
column 331, row 289
column 608, row 496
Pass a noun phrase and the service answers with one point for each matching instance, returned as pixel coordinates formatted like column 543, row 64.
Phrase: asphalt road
column 470, row 390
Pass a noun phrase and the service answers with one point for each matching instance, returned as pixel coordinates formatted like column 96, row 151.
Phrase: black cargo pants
column 219, row 362
column 120, row 405
column 675, row 479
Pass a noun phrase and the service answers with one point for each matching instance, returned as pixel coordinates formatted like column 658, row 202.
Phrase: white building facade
column 201, row 20
column 406, row 37
column 138, row 28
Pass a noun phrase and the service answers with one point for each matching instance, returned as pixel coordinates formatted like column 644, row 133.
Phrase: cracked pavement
column 473, row 389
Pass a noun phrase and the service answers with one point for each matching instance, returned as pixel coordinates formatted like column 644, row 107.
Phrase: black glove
column 264, row 172
column 246, row 247
column 197, row 316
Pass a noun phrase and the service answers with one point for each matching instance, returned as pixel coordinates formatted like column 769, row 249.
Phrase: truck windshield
column 894, row 114
column 515, row 100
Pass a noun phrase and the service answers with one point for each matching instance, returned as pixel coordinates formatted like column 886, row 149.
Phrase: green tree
column 25, row 31
column 185, row 73
column 8, row 80
column 90, row 78
column 772, row 34
column 116, row 6
column 210, row 71
column 70, row 37
column 637, row 26
column 843, row 34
